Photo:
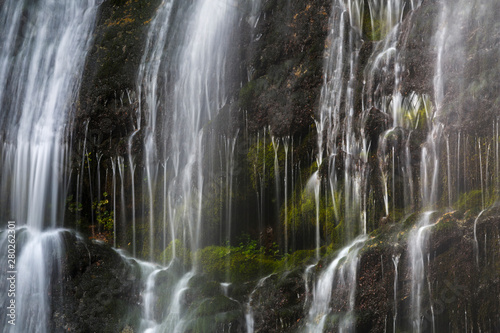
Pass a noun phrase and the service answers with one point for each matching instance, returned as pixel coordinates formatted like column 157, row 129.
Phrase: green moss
column 298, row 258
column 396, row 214
column 261, row 162
column 182, row 253
column 247, row 95
column 415, row 111
column 446, row 222
column 410, row 220
column 213, row 204
column 236, row 263
column 104, row 214
column 301, row 213
column 470, row 200
column 374, row 32
column 375, row 29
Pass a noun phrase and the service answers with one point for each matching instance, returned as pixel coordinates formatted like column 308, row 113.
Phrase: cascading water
column 417, row 253
column 337, row 118
column 249, row 312
column 148, row 77
column 476, row 246
column 44, row 45
column 37, row 267
column 341, row 273
column 391, row 154
column 395, row 260
column 429, row 174
column 333, row 90
column 198, row 68
column 447, row 34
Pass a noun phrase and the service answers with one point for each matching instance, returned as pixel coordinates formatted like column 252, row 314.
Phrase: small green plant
column 251, row 249
column 87, row 160
column 74, row 207
column 104, row 217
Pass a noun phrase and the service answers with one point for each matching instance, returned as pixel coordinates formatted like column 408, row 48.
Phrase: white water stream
column 44, row 45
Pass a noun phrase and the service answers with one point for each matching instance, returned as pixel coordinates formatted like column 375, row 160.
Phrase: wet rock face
column 107, row 104
column 470, row 72
column 279, row 304
column 458, row 297
column 374, row 284
column 463, row 293
column 376, row 123
column 418, row 55
column 211, row 309
column 99, row 290
column 285, row 59
column 106, row 111
column 473, row 85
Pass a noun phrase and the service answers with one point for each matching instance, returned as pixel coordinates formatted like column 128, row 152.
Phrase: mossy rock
column 470, row 200
column 299, row 258
column 182, row 254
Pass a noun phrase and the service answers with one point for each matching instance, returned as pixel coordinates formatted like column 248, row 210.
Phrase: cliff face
column 285, row 60
column 274, row 90
column 100, row 289
column 456, row 277
column 280, row 54
column 108, row 98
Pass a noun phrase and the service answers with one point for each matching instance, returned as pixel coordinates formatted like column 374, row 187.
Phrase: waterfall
column 44, row 45
column 395, row 260
column 249, row 315
column 337, row 117
column 449, row 43
column 174, row 137
column 41, row 61
column 476, row 246
column 341, row 273
column 417, row 255
column 312, row 141
column 37, row 267
column 198, row 68
column 148, row 77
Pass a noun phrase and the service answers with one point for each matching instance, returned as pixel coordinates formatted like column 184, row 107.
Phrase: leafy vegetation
column 74, row 207
column 104, row 217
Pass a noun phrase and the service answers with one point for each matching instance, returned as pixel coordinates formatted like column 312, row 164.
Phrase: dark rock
column 418, row 54
column 286, row 59
column 107, row 102
column 99, row 290
column 376, row 123
column 278, row 305
column 458, row 283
